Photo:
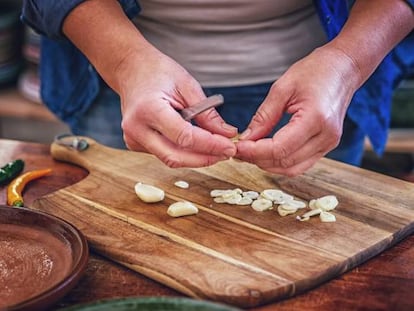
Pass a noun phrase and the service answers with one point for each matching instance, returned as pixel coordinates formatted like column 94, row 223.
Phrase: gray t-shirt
column 232, row 43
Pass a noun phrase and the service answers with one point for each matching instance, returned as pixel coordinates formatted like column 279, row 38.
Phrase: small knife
column 210, row 102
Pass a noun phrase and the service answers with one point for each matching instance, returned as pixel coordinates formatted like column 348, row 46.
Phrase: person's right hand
column 152, row 88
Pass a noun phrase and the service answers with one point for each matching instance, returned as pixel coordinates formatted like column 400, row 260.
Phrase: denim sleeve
column 47, row 16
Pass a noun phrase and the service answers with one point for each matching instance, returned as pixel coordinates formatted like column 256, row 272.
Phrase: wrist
column 346, row 66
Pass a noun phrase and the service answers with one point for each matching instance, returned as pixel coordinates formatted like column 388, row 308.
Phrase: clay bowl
column 42, row 257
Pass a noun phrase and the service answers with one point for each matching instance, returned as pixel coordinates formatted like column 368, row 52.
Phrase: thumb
column 266, row 116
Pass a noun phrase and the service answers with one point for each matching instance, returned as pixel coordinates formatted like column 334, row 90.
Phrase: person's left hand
column 316, row 91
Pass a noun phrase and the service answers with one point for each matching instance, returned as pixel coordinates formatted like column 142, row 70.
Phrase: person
column 301, row 79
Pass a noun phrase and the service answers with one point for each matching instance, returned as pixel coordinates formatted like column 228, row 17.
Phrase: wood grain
column 227, row 253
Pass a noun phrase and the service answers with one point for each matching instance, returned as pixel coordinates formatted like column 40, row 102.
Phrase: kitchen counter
column 386, row 282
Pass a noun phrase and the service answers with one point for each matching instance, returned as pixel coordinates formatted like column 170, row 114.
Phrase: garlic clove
column 182, row 208
column 149, row 193
column 182, row 184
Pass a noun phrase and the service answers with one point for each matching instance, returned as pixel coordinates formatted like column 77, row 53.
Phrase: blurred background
column 24, row 117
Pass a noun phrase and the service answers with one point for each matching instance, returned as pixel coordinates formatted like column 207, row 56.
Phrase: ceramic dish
column 41, row 258
column 151, row 304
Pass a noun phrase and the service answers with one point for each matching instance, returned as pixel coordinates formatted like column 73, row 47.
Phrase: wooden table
column 385, row 282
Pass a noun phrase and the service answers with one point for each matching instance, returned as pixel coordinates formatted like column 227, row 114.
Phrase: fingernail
column 229, row 127
column 245, row 134
column 230, row 152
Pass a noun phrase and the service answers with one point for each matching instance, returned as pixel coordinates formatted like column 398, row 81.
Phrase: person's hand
column 153, row 88
column 316, row 91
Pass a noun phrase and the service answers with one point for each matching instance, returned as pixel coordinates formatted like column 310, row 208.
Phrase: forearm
column 372, row 30
column 101, row 30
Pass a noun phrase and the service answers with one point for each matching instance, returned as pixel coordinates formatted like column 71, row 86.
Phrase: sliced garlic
column 262, row 204
column 326, row 203
column 217, row 193
column 149, row 193
column 245, row 201
column 312, row 204
column 182, row 208
column 327, row 217
column 250, row 194
column 276, row 195
column 232, row 199
column 182, row 184
column 309, row 214
column 219, row 200
column 295, row 204
column 284, row 212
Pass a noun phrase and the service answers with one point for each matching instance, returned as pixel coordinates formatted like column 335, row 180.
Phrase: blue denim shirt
column 70, row 83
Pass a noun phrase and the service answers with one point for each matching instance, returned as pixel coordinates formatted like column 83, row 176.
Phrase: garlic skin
column 149, row 193
column 182, row 208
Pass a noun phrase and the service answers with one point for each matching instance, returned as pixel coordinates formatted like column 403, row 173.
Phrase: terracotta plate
column 151, row 304
column 41, row 258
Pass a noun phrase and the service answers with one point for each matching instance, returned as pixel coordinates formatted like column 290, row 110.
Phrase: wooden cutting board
column 228, row 253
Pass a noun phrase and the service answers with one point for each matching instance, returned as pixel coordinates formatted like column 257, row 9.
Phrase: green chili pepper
column 11, row 170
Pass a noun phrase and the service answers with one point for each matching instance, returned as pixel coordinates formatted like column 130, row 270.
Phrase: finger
column 187, row 136
column 301, row 155
column 267, row 115
column 213, row 122
column 172, row 155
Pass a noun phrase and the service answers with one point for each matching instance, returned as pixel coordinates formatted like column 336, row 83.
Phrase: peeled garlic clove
column 284, row 212
column 327, row 203
column 182, row 208
column 262, row 204
column 327, row 217
column 149, row 193
column 182, row 184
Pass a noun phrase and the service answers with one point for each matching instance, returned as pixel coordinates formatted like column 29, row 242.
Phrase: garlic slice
column 233, row 198
column 182, row 208
column 245, row 201
column 327, row 217
column 309, row 214
column 261, row 204
column 250, row 194
column 326, row 203
column 286, row 211
column 149, row 193
column 182, row 184
column 295, row 204
column 276, row 195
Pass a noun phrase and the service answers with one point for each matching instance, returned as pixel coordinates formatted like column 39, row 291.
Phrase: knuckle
column 171, row 161
column 185, row 137
column 286, row 162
